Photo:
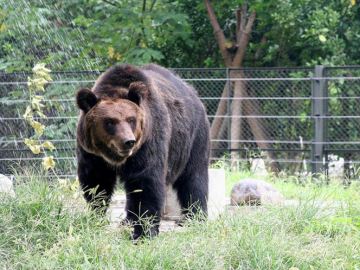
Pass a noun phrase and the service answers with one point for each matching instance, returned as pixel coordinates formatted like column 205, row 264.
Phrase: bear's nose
column 129, row 143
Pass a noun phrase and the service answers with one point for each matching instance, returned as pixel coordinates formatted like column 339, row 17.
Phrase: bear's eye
column 131, row 121
column 110, row 122
column 110, row 125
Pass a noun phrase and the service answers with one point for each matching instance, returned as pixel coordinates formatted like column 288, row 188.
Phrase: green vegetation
column 93, row 34
column 46, row 227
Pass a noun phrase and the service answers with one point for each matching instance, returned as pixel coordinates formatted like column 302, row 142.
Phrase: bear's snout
column 128, row 144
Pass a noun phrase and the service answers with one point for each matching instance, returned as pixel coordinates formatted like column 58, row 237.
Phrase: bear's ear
column 137, row 92
column 86, row 99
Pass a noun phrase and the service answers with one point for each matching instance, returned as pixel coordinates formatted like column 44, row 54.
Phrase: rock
column 6, row 185
column 254, row 192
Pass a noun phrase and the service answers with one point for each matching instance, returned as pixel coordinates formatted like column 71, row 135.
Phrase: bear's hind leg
column 192, row 185
column 97, row 180
column 192, row 191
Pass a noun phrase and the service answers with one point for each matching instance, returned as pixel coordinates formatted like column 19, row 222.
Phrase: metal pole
column 319, row 109
column 228, row 110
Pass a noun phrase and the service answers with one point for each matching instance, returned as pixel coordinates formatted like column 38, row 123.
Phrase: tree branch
column 244, row 41
column 250, row 23
column 238, row 22
column 244, row 10
column 143, row 24
column 218, row 32
column 112, row 3
column 152, row 5
column 144, row 6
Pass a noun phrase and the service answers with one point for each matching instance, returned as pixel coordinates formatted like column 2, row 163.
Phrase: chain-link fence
column 300, row 120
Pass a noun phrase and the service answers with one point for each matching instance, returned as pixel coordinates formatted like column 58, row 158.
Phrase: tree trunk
column 236, row 120
column 221, row 110
column 217, row 147
column 243, row 30
column 251, row 107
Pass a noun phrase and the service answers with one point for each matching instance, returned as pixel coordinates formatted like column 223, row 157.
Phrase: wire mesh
column 264, row 110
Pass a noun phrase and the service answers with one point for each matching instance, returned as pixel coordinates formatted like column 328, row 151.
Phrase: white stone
column 6, row 185
column 336, row 165
column 258, row 166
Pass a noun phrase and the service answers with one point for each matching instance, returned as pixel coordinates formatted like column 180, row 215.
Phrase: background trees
column 88, row 34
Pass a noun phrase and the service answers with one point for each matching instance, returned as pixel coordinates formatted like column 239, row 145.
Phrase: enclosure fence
column 299, row 120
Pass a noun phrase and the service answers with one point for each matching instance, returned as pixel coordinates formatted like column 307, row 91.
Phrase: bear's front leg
column 144, row 201
column 97, row 179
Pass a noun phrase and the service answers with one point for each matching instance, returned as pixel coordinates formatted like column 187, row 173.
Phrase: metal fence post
column 319, row 112
column 228, row 111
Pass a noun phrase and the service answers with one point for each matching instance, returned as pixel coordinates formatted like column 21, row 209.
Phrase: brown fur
column 148, row 127
column 127, row 118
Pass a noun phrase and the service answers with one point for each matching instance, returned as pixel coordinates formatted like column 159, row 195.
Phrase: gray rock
column 254, row 192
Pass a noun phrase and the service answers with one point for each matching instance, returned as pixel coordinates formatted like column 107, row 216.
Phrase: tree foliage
column 93, row 34
column 90, row 34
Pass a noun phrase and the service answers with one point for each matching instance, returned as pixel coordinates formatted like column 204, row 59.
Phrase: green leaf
column 322, row 38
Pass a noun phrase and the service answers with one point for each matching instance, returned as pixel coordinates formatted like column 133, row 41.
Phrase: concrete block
column 216, row 198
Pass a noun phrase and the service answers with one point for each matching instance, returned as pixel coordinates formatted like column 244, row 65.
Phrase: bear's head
column 112, row 128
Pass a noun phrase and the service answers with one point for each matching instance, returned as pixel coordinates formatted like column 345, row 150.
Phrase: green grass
column 45, row 228
column 291, row 189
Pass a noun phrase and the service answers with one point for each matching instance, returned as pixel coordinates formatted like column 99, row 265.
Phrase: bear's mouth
column 125, row 153
column 112, row 156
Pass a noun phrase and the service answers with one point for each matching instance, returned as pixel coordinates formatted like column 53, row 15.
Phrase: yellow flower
column 111, row 52
column 118, row 56
column 43, row 75
column 29, row 142
column 41, row 114
column 36, row 102
column 28, row 113
column 38, row 127
column 35, row 149
column 353, row 2
column 3, row 27
column 48, row 145
column 40, row 67
column 48, row 162
column 37, row 84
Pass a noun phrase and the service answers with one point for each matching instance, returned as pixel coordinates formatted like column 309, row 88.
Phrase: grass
column 291, row 189
column 38, row 230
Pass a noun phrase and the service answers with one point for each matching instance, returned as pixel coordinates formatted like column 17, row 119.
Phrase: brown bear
column 148, row 127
